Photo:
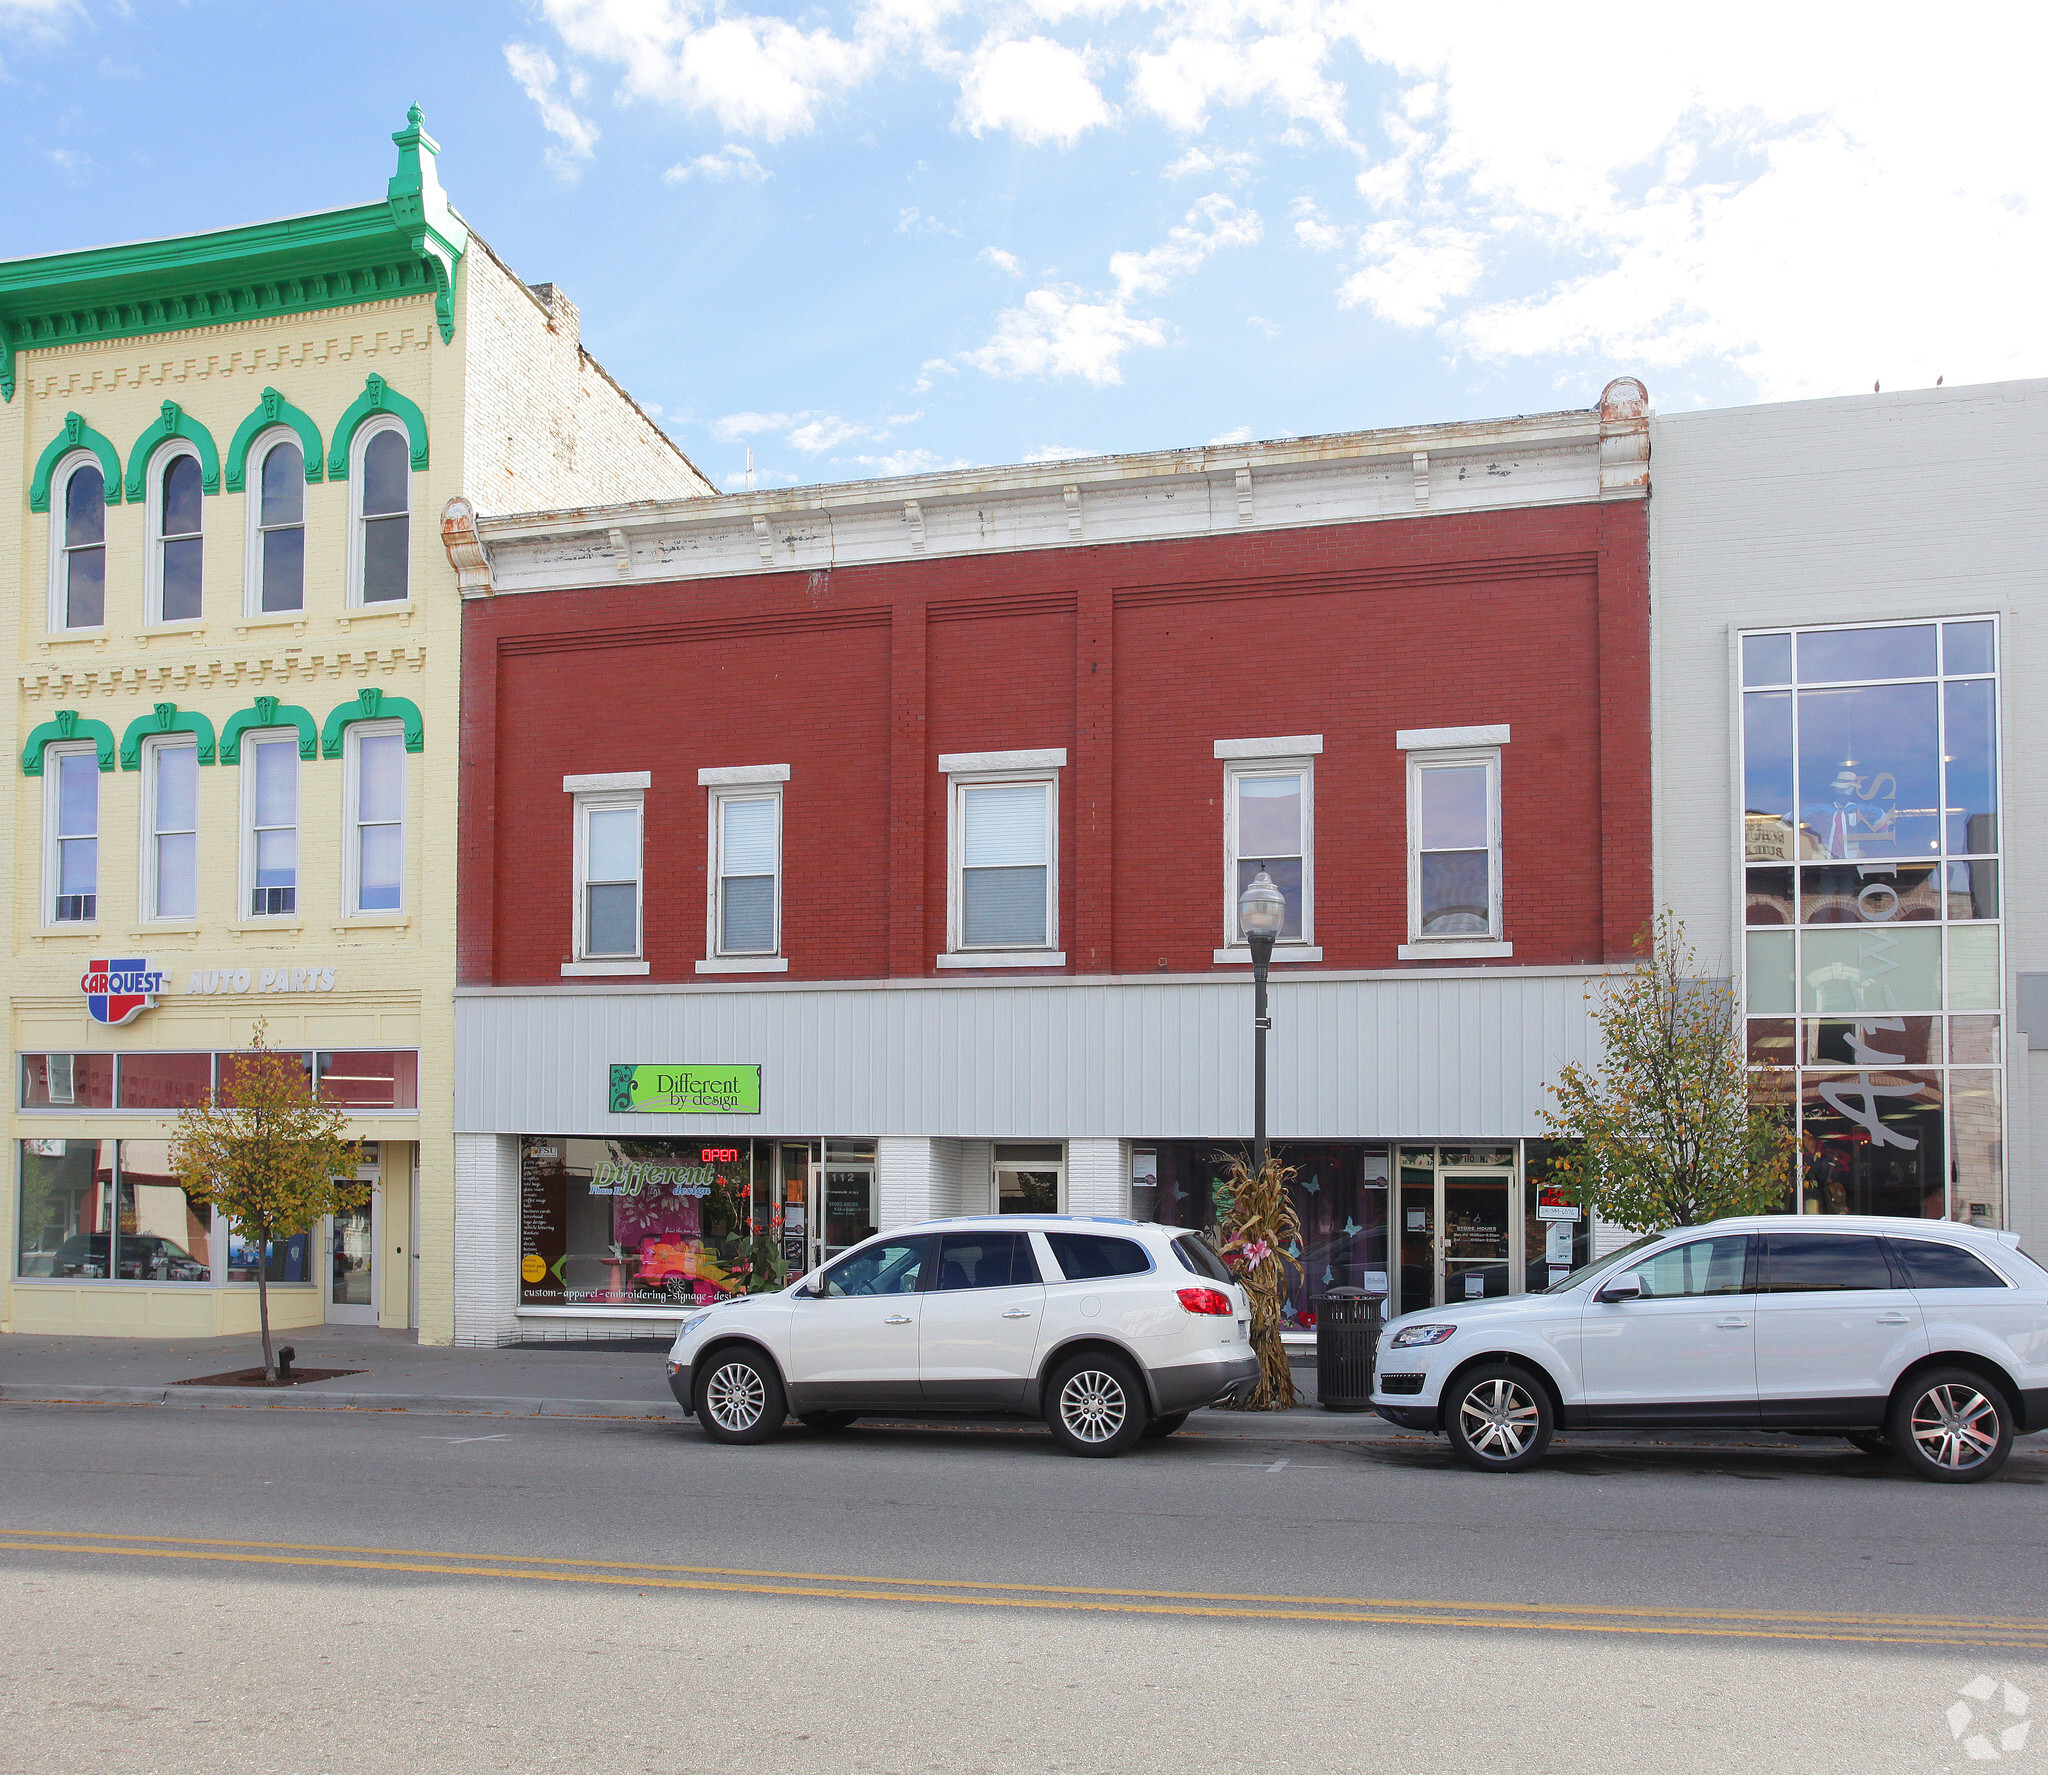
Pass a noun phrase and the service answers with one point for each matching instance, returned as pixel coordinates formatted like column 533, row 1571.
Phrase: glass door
column 348, row 1283
column 1419, row 1221
column 1474, row 1209
column 842, row 1207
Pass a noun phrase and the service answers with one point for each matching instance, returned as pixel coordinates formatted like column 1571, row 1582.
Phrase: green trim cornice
column 173, row 422
column 267, row 711
column 273, row 409
column 68, row 725
column 165, row 718
column 378, row 396
column 407, row 245
column 372, row 704
column 76, row 435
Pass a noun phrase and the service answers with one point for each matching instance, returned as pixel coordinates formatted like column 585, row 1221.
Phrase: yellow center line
column 1592, row 1619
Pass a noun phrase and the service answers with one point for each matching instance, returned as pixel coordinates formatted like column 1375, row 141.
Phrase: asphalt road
column 186, row 1590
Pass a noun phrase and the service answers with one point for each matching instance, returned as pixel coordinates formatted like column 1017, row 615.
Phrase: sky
column 899, row 235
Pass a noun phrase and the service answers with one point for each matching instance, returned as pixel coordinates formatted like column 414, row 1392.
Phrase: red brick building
column 931, row 799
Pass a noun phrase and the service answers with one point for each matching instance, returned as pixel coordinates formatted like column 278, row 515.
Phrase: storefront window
column 165, row 1081
column 101, row 1210
column 371, row 1081
column 1557, row 1236
column 67, row 1081
column 291, row 1260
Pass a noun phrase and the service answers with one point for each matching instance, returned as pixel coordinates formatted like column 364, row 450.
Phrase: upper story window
column 177, row 548
column 608, row 876
column 270, row 830
column 747, row 827
column 375, row 791
column 71, row 823
column 1003, row 875
column 277, row 568
column 170, row 801
column 383, row 496
column 1269, row 824
column 78, row 592
column 1454, row 847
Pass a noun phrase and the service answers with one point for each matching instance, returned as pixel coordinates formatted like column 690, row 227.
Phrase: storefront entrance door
column 842, row 1210
column 1454, row 1232
column 348, row 1284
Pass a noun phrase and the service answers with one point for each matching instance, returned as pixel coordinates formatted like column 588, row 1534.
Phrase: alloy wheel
column 1092, row 1405
column 736, row 1397
column 1499, row 1419
column 1955, row 1427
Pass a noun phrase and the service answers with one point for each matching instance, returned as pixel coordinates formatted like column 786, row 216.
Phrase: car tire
column 1874, row 1443
column 1165, row 1426
column 1095, row 1405
column 827, row 1420
column 739, row 1396
column 1499, row 1418
column 1951, row 1426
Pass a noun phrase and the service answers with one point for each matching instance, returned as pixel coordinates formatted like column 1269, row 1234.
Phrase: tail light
column 1210, row 1301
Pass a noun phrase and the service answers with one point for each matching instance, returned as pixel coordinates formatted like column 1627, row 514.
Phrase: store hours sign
column 685, row 1090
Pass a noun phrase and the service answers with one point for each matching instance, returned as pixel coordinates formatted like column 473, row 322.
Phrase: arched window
column 81, row 600
column 176, row 540
column 384, row 547
column 280, row 567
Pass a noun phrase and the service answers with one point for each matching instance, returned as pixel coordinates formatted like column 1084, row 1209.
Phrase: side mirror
column 1622, row 1288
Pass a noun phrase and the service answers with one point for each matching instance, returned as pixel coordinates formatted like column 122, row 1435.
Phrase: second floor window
column 280, row 566
column 170, row 887
column 1454, row 844
column 81, row 601
column 376, row 794
column 384, row 546
column 608, row 877
column 1267, row 826
column 178, row 546
column 749, row 838
column 1003, row 837
column 272, row 839
column 71, row 783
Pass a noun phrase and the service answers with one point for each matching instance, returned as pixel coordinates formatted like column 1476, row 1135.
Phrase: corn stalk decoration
column 1260, row 1234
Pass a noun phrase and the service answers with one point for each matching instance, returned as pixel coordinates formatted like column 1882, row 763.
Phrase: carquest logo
column 1972, row 1721
column 116, row 990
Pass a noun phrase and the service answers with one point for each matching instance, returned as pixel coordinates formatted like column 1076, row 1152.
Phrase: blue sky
column 872, row 238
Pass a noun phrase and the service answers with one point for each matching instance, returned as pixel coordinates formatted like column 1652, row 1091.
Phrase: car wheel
column 1873, row 1443
column 1952, row 1426
column 1095, row 1405
column 739, row 1397
column 1165, row 1426
column 1499, row 1418
column 827, row 1420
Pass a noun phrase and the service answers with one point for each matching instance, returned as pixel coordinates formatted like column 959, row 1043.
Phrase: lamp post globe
column 1261, row 912
column 1261, row 916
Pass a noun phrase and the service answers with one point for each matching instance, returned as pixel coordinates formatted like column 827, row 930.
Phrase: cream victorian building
column 234, row 729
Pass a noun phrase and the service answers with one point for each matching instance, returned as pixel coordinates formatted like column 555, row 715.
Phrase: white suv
column 1110, row 1330
column 1923, row 1339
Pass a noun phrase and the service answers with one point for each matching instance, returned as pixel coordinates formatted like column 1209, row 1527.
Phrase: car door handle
column 1730, row 1324
column 1893, row 1319
column 897, row 1319
column 1016, row 1312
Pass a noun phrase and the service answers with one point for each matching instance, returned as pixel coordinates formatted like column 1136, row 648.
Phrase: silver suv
column 1920, row 1339
column 1110, row 1330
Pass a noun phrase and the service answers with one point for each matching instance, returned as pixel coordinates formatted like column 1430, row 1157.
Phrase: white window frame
column 160, row 459
column 60, row 499
column 979, row 770
column 245, row 875
column 359, row 447
column 1288, row 755
column 153, row 750
column 252, row 527
column 1437, row 748
column 593, row 794
column 47, row 916
column 351, row 858
column 759, row 782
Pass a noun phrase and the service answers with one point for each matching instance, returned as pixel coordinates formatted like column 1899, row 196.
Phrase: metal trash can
column 1347, row 1340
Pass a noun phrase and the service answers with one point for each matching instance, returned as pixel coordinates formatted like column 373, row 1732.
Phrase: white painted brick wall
column 905, row 1180
column 1099, row 1177
column 486, row 1237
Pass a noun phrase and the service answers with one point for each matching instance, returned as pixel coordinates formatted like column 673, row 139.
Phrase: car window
column 1087, row 1257
column 1600, row 1264
column 986, row 1260
column 1702, row 1266
column 1933, row 1265
column 888, row 1266
column 1823, row 1263
column 1197, row 1254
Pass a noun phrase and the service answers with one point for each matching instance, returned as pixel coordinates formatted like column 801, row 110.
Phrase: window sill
column 171, row 928
column 284, row 922
column 170, row 631
column 1282, row 952
column 573, row 970
column 1003, row 958
column 400, row 608
column 744, row 964
column 295, row 620
column 74, row 638
column 68, row 930
column 1454, row 949
column 375, row 921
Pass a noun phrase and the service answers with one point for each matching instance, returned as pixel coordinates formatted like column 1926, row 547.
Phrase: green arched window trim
column 273, row 409
column 68, row 725
column 165, row 718
column 378, row 396
column 267, row 711
column 173, row 422
column 373, row 705
column 76, row 435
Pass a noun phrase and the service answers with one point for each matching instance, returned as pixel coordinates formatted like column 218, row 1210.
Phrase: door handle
column 1016, row 1312
column 1730, row 1324
column 897, row 1319
column 1893, row 1319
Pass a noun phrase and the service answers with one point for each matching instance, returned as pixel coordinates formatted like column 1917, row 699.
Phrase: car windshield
column 1600, row 1263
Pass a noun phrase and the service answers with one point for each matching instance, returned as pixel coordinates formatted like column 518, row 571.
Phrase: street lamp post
column 1261, row 913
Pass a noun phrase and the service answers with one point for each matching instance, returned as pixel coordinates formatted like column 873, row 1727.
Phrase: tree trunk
column 263, row 1309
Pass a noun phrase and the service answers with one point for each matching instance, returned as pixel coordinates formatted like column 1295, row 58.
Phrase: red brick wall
column 1135, row 658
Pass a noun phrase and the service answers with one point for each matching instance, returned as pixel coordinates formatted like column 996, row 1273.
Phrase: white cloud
column 1411, row 272
column 1056, row 453
column 535, row 71
column 915, row 221
column 1204, row 162
column 1035, row 88
column 911, row 462
column 1211, row 55
column 1313, row 229
column 730, row 162
column 1213, row 223
column 740, row 480
column 1002, row 261
column 1263, row 325
column 1058, row 333
column 932, row 366
column 1237, row 434
column 826, row 432
column 813, row 433
column 749, row 425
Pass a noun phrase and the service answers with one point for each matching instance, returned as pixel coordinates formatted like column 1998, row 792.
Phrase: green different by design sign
column 686, row 1090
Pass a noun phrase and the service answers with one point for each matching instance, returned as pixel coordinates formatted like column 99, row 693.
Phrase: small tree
column 1670, row 1126
column 267, row 1153
column 1260, row 1234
